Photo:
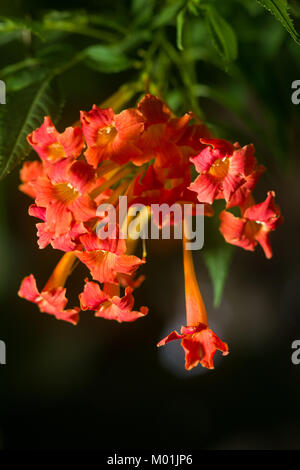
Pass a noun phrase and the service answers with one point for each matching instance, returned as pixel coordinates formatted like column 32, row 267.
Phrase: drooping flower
column 199, row 342
column 253, row 227
column 108, row 304
column 106, row 258
column 52, row 298
column 68, row 241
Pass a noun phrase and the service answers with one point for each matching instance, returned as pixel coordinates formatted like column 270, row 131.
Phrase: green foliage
column 222, row 35
column 14, row 25
column 106, row 59
column 217, row 255
column 76, row 23
column 180, row 23
column 279, row 8
column 167, row 13
column 218, row 261
column 23, row 113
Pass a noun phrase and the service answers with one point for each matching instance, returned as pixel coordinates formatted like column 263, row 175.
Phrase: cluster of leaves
column 159, row 46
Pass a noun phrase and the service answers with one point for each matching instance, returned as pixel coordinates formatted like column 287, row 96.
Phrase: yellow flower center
column 252, row 228
column 65, row 192
column 106, row 135
column 219, row 168
column 56, row 151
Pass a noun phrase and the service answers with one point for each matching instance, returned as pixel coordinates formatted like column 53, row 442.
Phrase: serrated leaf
column 279, row 8
column 106, row 59
column 222, row 35
column 23, row 113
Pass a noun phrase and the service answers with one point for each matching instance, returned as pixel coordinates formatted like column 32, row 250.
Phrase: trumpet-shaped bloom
column 106, row 258
column 52, row 298
column 52, row 146
column 108, row 304
column 162, row 134
column 111, row 136
column 198, row 341
column 51, row 301
column 223, row 170
column 65, row 195
column 66, row 242
column 253, row 227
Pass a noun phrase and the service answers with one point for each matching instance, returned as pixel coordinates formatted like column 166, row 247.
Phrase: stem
column 107, row 184
column 90, row 32
column 106, row 167
column 185, row 76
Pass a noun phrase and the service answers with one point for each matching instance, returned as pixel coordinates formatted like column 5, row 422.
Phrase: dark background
column 103, row 385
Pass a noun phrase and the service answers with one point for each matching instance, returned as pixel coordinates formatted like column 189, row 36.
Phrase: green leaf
column 179, row 30
column 24, row 78
column 218, row 261
column 142, row 11
column 15, row 25
column 217, row 254
column 22, row 74
column 222, row 35
column 108, row 21
column 75, row 22
column 279, row 8
column 106, row 59
column 133, row 41
column 167, row 14
column 23, row 113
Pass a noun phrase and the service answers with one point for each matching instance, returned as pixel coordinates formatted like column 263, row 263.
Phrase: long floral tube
column 199, row 342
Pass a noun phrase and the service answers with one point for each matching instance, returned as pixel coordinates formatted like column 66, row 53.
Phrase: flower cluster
column 146, row 154
column 230, row 172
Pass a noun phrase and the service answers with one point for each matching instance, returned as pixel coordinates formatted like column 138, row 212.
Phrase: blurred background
column 105, row 385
